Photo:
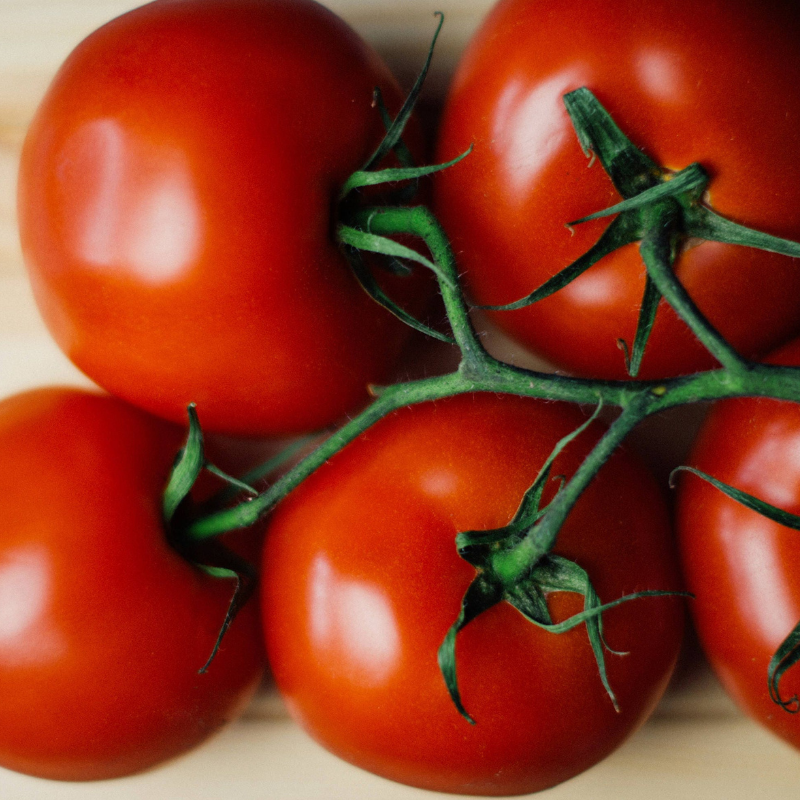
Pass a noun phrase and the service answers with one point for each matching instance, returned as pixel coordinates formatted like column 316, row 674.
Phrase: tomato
column 103, row 626
column 362, row 581
column 740, row 565
column 713, row 82
column 176, row 198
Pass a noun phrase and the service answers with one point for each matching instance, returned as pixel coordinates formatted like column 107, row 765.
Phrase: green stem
column 480, row 372
column 392, row 398
column 658, row 248
column 420, row 222
column 512, row 565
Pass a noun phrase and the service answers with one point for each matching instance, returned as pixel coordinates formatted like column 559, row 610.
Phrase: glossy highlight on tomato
column 362, row 581
column 742, row 567
column 177, row 198
column 103, row 626
column 712, row 82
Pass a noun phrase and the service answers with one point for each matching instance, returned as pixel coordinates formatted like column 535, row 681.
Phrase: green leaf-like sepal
column 400, row 150
column 363, row 178
column 188, row 465
column 363, row 240
column 558, row 574
column 647, row 316
column 748, row 500
column 477, row 546
column 231, row 567
column 787, row 655
column 688, row 183
column 246, row 483
column 373, row 289
column 480, row 596
column 623, row 230
column 397, row 127
column 630, row 170
column 703, row 223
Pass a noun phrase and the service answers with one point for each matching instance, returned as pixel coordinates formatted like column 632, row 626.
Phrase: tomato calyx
column 788, row 653
column 486, row 550
column 660, row 209
column 353, row 229
column 211, row 557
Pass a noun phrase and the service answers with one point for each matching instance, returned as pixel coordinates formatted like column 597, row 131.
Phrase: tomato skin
column 714, row 83
column 175, row 201
column 740, row 566
column 103, row 626
column 362, row 581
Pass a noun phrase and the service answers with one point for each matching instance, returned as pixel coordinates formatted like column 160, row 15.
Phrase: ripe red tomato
column 103, row 626
column 362, row 581
column 740, row 565
column 176, row 195
column 714, row 82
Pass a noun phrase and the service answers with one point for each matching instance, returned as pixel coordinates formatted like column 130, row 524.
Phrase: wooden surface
column 696, row 745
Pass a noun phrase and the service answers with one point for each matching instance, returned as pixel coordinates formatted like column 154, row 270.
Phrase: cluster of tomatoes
column 177, row 206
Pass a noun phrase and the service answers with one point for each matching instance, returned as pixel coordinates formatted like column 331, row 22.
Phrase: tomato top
column 714, row 82
column 176, row 199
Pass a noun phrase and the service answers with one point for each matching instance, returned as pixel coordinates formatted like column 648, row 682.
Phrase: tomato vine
column 660, row 209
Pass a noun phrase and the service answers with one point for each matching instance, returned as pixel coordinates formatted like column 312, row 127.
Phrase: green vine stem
column 659, row 209
column 481, row 372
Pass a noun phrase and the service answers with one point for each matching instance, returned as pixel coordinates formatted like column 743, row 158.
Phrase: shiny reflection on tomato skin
column 139, row 213
column 27, row 633
column 352, row 624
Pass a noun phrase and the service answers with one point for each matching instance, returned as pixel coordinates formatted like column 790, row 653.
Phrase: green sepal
column 748, row 500
column 647, row 317
column 400, row 150
column 372, row 243
column 475, row 546
column 398, row 125
column 703, row 223
column 688, row 183
column 188, row 465
column 480, row 596
column 659, row 242
column 229, row 566
column 630, row 170
column 623, row 230
column 235, row 487
column 529, row 599
column 363, row 178
column 373, row 289
column 786, row 656
column 238, row 486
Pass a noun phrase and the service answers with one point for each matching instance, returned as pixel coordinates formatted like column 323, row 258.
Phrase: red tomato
column 103, row 626
column 714, row 82
column 175, row 201
column 740, row 565
column 362, row 581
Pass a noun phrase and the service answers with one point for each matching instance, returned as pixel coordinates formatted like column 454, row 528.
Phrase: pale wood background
column 696, row 745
